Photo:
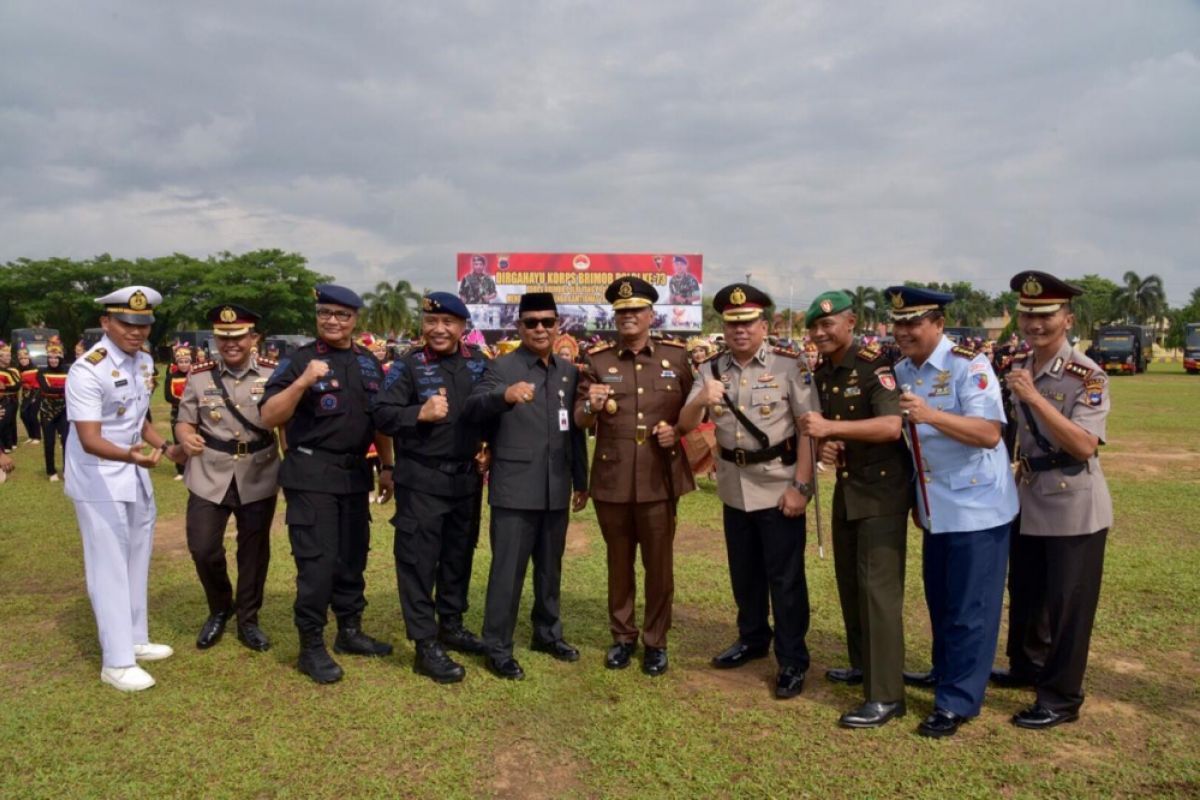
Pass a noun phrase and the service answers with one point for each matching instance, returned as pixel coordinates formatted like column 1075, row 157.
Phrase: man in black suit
column 538, row 456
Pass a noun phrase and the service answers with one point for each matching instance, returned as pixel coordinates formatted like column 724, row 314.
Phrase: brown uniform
column 236, row 474
column 635, row 483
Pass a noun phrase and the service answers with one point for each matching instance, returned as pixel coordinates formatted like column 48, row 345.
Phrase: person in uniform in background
column 30, row 394
column 755, row 393
column 952, row 398
column 10, row 399
column 52, row 407
column 177, row 376
column 859, row 424
column 322, row 394
column 683, row 287
column 1066, row 510
column 106, row 468
column 422, row 406
column 632, row 393
column 539, row 456
column 233, row 468
column 477, row 287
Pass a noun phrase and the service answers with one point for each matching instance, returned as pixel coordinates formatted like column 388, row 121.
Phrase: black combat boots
column 352, row 641
column 315, row 661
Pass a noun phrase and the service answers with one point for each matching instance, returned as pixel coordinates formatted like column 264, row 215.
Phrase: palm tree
column 1140, row 300
column 866, row 303
column 391, row 309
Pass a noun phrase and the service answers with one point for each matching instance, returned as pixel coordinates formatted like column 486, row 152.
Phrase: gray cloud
column 814, row 145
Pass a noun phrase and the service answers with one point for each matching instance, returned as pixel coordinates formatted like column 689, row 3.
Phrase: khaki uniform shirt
column 647, row 387
column 874, row 479
column 1055, row 502
column 209, row 474
column 772, row 390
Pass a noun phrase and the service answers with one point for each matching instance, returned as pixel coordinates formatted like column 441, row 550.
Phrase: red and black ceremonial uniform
column 52, row 411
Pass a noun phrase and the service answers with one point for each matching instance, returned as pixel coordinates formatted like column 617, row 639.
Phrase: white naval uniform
column 114, row 501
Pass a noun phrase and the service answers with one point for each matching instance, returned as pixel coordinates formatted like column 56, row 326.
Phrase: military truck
column 1123, row 349
column 1191, row 348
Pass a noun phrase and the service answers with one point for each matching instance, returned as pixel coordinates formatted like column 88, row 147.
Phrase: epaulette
column 783, row 351
column 674, row 342
column 205, row 366
column 871, row 352
column 963, row 352
column 599, row 348
column 96, row 356
column 1079, row 370
column 263, row 361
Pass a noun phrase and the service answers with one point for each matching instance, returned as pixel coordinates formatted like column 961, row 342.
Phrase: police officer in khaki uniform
column 1062, row 403
column 232, row 468
column 764, row 477
column 632, row 393
column 860, row 421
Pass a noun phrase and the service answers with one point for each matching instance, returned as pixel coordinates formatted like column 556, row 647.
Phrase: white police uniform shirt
column 113, row 389
column 969, row 488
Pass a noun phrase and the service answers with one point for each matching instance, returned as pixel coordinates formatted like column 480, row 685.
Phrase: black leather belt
column 236, row 448
column 447, row 465
column 785, row 450
column 1063, row 461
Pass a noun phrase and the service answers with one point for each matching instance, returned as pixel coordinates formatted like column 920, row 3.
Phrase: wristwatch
column 803, row 488
column 164, row 447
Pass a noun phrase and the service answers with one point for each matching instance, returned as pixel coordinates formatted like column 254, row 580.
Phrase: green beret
column 826, row 304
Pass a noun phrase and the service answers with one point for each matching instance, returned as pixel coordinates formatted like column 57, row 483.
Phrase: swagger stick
column 914, row 444
column 812, row 449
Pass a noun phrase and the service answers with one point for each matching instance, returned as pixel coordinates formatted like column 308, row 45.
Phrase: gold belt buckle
column 241, row 449
column 640, row 435
column 739, row 457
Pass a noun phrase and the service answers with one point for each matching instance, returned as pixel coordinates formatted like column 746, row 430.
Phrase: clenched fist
column 315, row 370
column 714, row 392
column 519, row 392
column 597, row 395
column 435, row 409
column 814, row 425
column 664, row 432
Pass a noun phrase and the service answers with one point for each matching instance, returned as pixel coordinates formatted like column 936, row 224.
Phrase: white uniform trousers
column 117, row 540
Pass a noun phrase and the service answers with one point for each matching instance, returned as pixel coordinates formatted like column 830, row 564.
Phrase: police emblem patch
column 888, row 382
column 626, row 290
column 981, row 380
column 737, row 297
column 228, row 314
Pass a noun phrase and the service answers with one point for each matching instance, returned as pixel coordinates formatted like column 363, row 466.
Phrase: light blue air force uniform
column 972, row 501
column 114, row 501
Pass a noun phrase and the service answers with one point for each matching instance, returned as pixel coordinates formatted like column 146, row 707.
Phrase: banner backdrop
column 491, row 284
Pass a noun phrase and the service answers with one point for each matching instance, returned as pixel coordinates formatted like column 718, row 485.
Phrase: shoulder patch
column 96, row 356
column 871, row 352
column 1079, row 370
column 963, row 352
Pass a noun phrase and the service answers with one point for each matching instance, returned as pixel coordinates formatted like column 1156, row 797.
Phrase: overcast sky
column 814, row 145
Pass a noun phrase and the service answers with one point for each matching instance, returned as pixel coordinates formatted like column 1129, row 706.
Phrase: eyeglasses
column 340, row 314
column 531, row 323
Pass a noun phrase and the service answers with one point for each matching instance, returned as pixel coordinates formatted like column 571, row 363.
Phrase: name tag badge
column 564, row 421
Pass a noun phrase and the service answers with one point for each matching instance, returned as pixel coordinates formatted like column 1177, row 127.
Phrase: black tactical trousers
column 434, row 549
column 330, row 536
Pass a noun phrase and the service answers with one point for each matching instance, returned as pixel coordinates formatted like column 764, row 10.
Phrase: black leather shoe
column 454, row 636
column 940, row 724
column 654, row 661
column 315, row 661
column 212, row 630
column 738, row 654
column 619, row 654
column 872, row 715
column 432, row 662
column 1007, row 679
column 352, row 641
column 252, row 636
column 1037, row 717
column 925, row 680
column 508, row 669
column 559, row 649
column 789, row 682
column 847, row 675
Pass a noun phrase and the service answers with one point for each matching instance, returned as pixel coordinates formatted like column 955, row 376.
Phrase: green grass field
column 231, row 723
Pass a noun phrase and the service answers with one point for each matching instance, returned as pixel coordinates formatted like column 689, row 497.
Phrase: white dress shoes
column 152, row 652
column 127, row 679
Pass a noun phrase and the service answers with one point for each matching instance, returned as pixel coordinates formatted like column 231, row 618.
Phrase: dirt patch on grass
column 692, row 540
column 1138, row 460
column 170, row 537
column 578, row 541
column 523, row 768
